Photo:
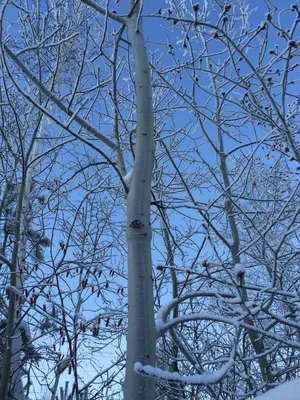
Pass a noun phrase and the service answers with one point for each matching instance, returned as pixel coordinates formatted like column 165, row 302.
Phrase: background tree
column 195, row 134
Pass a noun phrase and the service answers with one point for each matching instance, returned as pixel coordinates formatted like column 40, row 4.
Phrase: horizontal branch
column 103, row 11
column 207, row 378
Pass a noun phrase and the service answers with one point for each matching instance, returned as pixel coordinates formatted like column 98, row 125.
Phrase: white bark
column 141, row 330
column 16, row 345
column 16, row 379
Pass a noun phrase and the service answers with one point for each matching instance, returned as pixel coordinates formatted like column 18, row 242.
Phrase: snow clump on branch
column 239, row 270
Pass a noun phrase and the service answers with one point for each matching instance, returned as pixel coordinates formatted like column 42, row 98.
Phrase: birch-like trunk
column 255, row 339
column 12, row 336
column 11, row 369
column 141, row 329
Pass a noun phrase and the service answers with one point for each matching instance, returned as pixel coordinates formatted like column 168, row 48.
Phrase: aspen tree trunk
column 12, row 336
column 141, row 329
column 255, row 339
column 12, row 372
column 16, row 380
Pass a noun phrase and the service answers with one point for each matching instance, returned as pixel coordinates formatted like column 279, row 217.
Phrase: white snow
column 63, row 364
column 127, row 178
column 161, row 315
column 230, row 241
column 206, row 262
column 286, row 391
column 239, row 270
column 197, row 379
column 162, row 326
column 25, row 327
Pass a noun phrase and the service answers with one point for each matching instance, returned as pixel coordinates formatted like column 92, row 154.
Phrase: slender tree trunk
column 177, row 388
column 11, row 334
column 12, row 378
column 255, row 339
column 141, row 329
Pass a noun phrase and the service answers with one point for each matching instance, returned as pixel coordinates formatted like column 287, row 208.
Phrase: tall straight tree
column 141, row 331
column 208, row 137
column 141, row 334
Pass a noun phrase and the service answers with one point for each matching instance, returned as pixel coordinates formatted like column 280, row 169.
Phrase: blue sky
column 155, row 32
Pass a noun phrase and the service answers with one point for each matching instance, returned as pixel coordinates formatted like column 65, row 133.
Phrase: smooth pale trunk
column 17, row 344
column 16, row 384
column 140, row 341
column 141, row 329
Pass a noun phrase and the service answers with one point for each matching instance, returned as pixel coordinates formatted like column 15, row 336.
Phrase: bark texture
column 141, row 329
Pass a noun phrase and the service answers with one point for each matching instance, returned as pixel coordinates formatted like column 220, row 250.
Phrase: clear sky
column 159, row 33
